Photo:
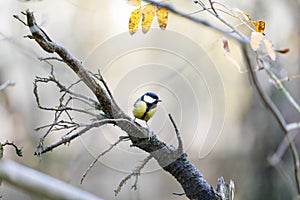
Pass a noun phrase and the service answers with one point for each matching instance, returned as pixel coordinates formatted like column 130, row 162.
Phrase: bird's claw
column 150, row 135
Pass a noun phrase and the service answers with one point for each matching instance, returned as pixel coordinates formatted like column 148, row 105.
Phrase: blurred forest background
column 246, row 136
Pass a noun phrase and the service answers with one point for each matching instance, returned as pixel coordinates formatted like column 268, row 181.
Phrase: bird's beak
column 159, row 100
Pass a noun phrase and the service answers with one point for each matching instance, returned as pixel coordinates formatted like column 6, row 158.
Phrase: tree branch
column 135, row 173
column 231, row 34
column 37, row 183
column 6, row 84
column 276, row 113
column 122, row 138
column 49, row 46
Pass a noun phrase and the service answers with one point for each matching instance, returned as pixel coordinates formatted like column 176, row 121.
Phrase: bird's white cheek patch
column 149, row 99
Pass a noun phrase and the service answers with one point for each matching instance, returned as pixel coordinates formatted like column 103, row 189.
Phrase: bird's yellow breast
column 149, row 114
column 139, row 111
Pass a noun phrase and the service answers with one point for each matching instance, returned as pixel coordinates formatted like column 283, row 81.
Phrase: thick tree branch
column 48, row 45
column 38, row 183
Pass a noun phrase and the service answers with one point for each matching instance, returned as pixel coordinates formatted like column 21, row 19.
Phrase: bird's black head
column 150, row 98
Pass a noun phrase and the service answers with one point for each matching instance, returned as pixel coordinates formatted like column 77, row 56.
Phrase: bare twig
column 135, row 173
column 180, row 145
column 213, row 8
column 18, row 150
column 63, row 107
column 178, row 194
column 240, row 37
column 121, row 138
column 50, row 58
column 20, row 20
column 283, row 90
column 6, row 84
column 69, row 138
column 293, row 126
column 281, row 149
column 100, row 78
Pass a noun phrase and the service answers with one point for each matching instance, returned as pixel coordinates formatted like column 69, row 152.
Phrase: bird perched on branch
column 145, row 107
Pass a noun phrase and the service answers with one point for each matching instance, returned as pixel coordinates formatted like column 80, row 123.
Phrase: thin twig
column 180, row 145
column 293, row 126
column 62, row 123
column 100, row 78
column 135, row 173
column 232, row 28
column 281, row 149
column 178, row 194
column 121, row 138
column 213, row 8
column 240, row 38
column 50, row 58
column 283, row 90
column 18, row 150
column 6, row 84
column 69, row 138
column 20, row 20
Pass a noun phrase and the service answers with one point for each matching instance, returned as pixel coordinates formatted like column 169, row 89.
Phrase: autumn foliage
column 145, row 15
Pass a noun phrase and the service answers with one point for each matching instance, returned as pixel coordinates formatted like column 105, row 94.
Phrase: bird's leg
column 150, row 132
column 133, row 120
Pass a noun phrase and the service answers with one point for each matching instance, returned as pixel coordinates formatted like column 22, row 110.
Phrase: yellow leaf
column 162, row 17
column 259, row 26
column 256, row 40
column 134, row 2
column 226, row 45
column 148, row 16
column 247, row 16
column 270, row 49
column 134, row 20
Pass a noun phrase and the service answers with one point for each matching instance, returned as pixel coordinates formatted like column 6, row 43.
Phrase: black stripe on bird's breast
column 149, row 107
column 145, row 113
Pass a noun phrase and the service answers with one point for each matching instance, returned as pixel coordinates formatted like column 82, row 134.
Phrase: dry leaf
column 283, row 51
column 226, row 45
column 162, row 17
column 247, row 16
column 270, row 49
column 134, row 2
column 259, row 26
column 256, row 40
column 148, row 16
column 134, row 20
